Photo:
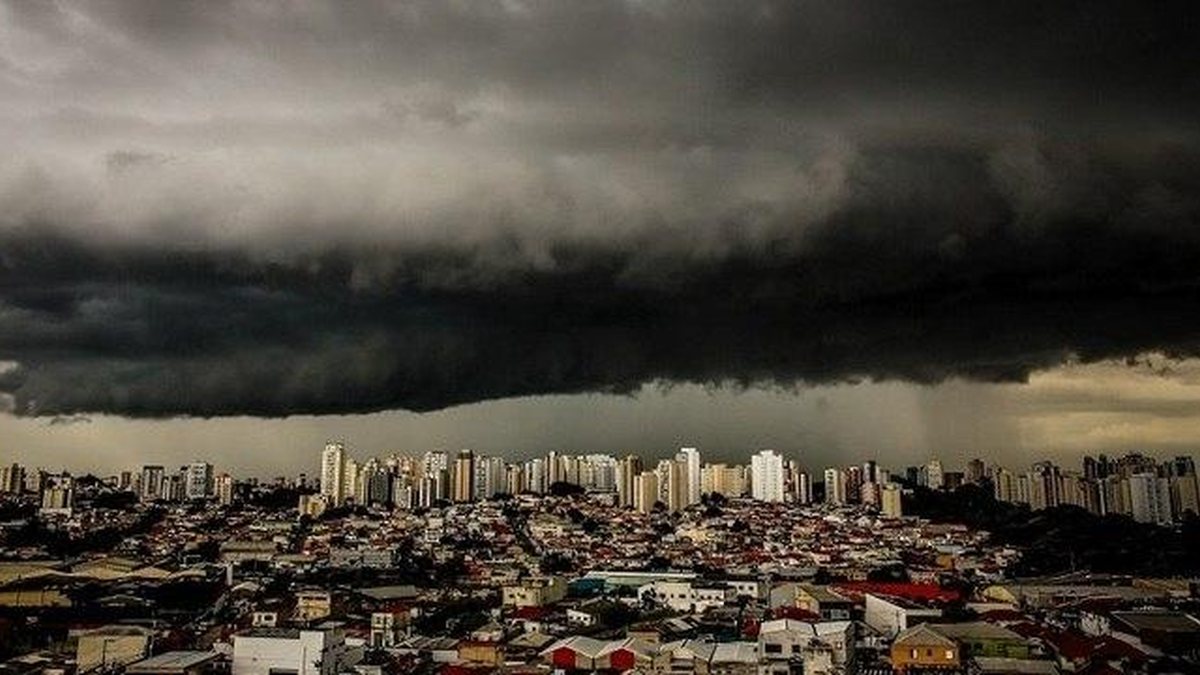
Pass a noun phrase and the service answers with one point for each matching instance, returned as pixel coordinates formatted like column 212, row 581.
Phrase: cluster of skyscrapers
column 1146, row 489
column 152, row 483
column 671, row 484
column 1141, row 487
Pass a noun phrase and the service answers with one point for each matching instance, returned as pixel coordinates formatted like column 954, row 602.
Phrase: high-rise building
column 173, row 487
column 352, row 489
column 628, row 470
column 434, row 462
column 58, row 494
column 514, row 478
column 199, row 481
column 804, row 488
column 224, row 489
column 12, row 479
column 333, row 473
column 890, row 502
column 976, row 471
column 1150, row 498
column 464, row 477
column 490, row 474
column 1004, row 486
column 676, row 488
column 691, row 461
column 934, row 478
column 870, row 472
column 151, row 482
column 766, row 476
column 852, row 482
column 835, row 486
column 645, row 490
column 723, row 479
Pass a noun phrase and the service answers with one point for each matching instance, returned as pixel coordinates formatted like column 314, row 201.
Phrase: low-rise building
column 923, row 648
column 272, row 651
column 891, row 616
column 687, row 596
column 534, row 592
column 781, row 641
column 111, row 647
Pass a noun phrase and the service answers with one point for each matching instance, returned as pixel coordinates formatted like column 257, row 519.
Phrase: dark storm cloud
column 270, row 209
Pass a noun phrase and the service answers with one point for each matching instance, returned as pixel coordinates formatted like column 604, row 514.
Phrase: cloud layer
column 281, row 208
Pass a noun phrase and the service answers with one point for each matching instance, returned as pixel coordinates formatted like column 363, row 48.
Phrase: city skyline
column 1151, row 491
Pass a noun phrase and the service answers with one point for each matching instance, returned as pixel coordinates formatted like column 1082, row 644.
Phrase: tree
column 563, row 489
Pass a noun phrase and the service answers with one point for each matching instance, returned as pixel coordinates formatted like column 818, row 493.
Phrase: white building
column 687, row 596
column 766, row 476
column 691, row 458
column 333, row 473
column 891, row 616
column 825, row 647
column 270, row 651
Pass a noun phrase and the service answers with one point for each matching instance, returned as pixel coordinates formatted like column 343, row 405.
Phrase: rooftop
column 170, row 662
column 1171, row 622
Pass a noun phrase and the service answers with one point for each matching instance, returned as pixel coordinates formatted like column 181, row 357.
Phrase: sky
column 843, row 229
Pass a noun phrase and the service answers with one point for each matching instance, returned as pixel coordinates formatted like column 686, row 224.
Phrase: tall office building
column 463, row 489
column 333, row 473
column 691, row 461
column 199, row 481
column 766, row 476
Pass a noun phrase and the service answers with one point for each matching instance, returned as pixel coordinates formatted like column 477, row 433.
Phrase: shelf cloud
column 269, row 209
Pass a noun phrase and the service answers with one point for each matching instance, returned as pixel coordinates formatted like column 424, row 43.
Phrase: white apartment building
column 333, row 473
column 766, row 476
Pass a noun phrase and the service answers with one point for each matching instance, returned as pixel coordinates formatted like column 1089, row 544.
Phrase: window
column 772, row 648
column 912, row 654
column 949, row 654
